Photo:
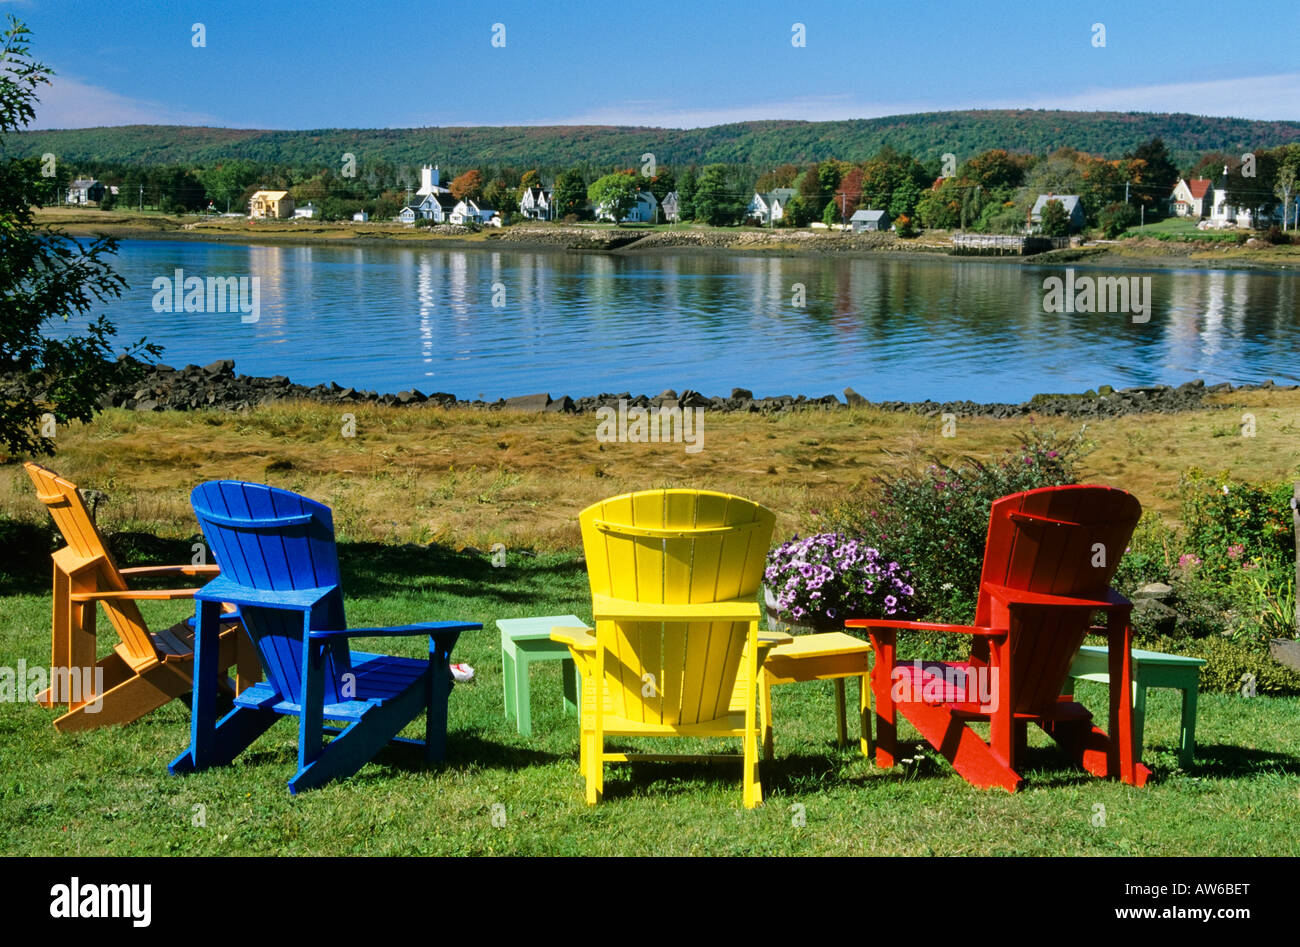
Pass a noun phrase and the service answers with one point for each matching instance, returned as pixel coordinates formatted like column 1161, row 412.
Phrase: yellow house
column 272, row 204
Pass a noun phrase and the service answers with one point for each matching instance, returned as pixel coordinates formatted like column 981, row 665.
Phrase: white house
column 670, row 207
column 643, row 211
column 409, row 213
column 1073, row 209
column 536, row 203
column 869, row 220
column 85, row 191
column 1224, row 214
column 360, row 217
column 307, row 211
column 770, row 207
column 1192, row 198
column 468, row 212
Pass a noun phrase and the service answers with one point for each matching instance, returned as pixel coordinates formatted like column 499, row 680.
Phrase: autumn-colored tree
column 530, row 179
column 469, row 186
column 783, row 176
column 849, row 192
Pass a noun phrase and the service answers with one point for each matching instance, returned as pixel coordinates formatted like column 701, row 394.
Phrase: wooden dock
column 997, row 244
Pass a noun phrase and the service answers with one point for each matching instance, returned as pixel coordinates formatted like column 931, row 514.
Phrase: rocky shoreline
column 217, row 386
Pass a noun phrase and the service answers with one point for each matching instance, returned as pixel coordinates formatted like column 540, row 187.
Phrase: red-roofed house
column 1192, row 198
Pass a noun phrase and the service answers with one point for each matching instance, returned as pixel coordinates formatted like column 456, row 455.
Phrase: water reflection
column 393, row 318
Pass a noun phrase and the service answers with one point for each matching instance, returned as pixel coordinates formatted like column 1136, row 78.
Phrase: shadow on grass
column 377, row 570
column 370, row 569
column 1226, row 762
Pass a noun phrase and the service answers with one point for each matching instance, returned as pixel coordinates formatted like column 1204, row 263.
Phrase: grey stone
column 1153, row 590
column 854, row 399
column 536, row 403
column 742, row 394
column 224, row 366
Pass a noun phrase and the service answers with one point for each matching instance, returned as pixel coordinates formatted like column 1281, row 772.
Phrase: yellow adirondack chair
column 674, row 580
column 145, row 670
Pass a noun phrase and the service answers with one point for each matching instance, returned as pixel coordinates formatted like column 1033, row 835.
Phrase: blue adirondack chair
column 279, row 564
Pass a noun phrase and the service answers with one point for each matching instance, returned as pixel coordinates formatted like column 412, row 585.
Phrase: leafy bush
column 936, row 521
column 905, row 226
column 1276, row 236
column 1229, row 522
column 1150, row 555
column 1116, row 218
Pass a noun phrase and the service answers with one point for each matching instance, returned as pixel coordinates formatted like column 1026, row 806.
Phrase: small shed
column 869, row 220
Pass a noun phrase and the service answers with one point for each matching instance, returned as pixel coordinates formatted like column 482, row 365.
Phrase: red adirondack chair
column 1048, row 564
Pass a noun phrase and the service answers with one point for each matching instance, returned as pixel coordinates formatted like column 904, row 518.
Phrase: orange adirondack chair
column 145, row 670
column 1048, row 564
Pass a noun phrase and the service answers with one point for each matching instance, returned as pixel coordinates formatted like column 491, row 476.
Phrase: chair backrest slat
column 68, row 509
column 272, row 540
column 674, row 547
column 1054, row 541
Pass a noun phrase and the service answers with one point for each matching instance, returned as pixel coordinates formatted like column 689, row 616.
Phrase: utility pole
column 142, row 198
column 1126, row 183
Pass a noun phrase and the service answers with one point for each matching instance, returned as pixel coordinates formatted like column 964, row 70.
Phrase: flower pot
column 809, row 625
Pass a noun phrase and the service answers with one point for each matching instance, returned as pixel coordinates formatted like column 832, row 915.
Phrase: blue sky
column 675, row 63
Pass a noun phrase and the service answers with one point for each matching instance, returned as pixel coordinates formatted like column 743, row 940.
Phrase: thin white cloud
column 1256, row 97
column 69, row 103
column 1274, row 97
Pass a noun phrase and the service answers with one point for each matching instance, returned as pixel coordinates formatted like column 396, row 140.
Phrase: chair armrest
column 980, row 630
column 1013, row 597
column 397, row 631
column 158, row 594
column 211, row 570
column 608, row 608
column 580, row 639
column 772, row 638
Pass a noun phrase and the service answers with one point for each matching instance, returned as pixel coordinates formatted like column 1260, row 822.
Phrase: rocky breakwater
column 217, row 386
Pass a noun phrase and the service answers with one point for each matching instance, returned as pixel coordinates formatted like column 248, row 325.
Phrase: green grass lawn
column 1179, row 228
column 108, row 792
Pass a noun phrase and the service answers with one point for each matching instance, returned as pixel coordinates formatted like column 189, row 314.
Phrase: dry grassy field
column 475, row 477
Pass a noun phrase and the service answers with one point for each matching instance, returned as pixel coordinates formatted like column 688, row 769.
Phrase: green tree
column 225, row 183
column 614, row 194
column 1055, row 221
column 718, row 202
column 570, row 194
column 686, row 194
column 45, row 276
column 1160, row 174
column 831, row 213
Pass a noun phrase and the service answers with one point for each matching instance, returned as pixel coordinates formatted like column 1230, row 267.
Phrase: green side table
column 1150, row 669
column 524, row 641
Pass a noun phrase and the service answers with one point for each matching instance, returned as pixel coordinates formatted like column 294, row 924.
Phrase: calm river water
column 578, row 324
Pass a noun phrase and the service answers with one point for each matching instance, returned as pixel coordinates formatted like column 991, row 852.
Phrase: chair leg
column 886, row 726
column 864, row 716
column 841, row 725
column 508, row 681
column 127, row 700
column 359, row 742
column 765, row 716
column 1187, row 734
